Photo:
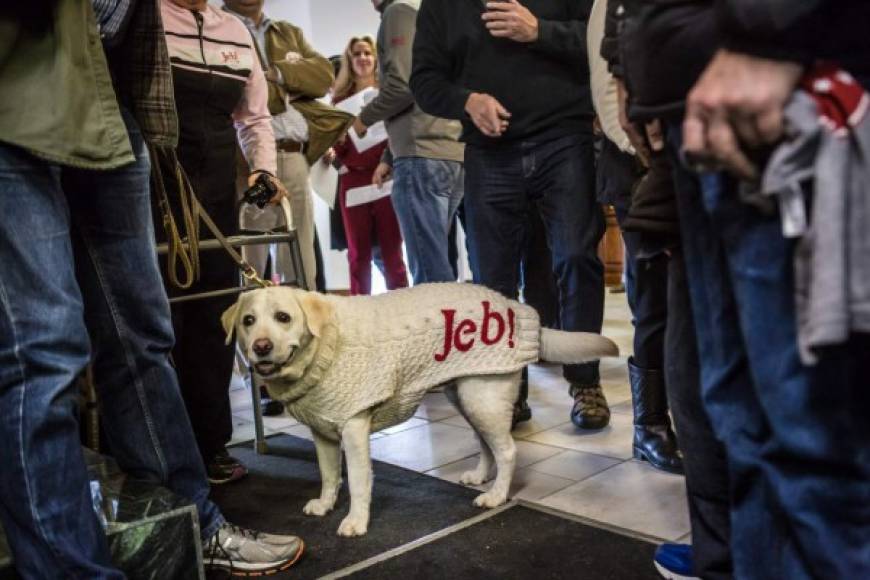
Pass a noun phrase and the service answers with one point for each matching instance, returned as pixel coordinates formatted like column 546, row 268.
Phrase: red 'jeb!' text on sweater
column 462, row 335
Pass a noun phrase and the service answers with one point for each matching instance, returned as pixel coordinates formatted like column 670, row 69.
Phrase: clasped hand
column 735, row 108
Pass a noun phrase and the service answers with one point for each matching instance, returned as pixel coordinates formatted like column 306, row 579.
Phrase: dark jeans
column 797, row 437
column 704, row 458
column 647, row 294
column 536, row 267
column 80, row 279
column 559, row 175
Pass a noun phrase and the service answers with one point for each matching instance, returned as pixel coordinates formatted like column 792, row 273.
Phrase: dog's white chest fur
column 390, row 349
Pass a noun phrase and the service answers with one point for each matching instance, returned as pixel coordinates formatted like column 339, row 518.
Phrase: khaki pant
column 293, row 173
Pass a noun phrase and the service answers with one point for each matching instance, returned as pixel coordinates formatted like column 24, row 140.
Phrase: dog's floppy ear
column 317, row 311
column 229, row 319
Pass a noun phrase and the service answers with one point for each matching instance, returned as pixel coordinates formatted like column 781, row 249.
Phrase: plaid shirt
column 112, row 17
column 143, row 76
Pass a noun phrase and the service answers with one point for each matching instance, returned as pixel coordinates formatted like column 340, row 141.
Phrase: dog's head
column 274, row 325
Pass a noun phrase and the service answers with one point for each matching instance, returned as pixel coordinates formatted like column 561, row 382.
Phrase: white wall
column 297, row 12
column 327, row 24
column 334, row 22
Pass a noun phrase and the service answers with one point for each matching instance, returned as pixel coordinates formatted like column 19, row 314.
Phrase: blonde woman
column 359, row 72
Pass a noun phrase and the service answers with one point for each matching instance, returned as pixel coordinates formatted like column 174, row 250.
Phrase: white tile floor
column 588, row 474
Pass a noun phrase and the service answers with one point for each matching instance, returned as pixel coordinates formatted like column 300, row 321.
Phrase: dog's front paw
column 353, row 526
column 490, row 499
column 317, row 507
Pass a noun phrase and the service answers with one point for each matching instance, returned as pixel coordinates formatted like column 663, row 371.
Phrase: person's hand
column 359, row 127
column 328, row 157
column 281, row 191
column 737, row 105
column 382, row 173
column 487, row 114
column 272, row 74
column 292, row 57
column 635, row 136
column 511, row 20
column 644, row 139
column 655, row 136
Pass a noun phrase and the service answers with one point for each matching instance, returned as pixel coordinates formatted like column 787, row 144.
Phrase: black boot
column 654, row 441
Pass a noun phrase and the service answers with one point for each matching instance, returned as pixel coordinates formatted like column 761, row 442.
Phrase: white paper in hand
column 369, row 193
column 355, row 103
column 324, row 181
column 377, row 133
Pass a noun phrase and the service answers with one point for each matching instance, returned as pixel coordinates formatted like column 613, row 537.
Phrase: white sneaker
column 246, row 552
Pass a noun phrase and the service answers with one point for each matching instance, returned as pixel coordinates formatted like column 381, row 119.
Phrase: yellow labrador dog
column 350, row 366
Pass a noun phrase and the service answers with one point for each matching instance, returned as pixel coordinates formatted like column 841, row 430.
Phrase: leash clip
column 250, row 274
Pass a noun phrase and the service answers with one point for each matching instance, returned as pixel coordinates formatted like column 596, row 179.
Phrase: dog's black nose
column 262, row 346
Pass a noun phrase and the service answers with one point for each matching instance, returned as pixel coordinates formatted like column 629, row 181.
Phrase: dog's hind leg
column 487, row 402
column 329, row 462
column 479, row 474
column 355, row 437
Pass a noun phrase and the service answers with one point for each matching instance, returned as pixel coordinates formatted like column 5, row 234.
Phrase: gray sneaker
column 245, row 552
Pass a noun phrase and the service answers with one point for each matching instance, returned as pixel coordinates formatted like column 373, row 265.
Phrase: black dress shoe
column 271, row 407
column 590, row 410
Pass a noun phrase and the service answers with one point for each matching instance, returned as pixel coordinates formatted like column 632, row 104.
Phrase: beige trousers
column 293, row 173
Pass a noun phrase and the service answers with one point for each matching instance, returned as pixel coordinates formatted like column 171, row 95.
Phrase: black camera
column 261, row 192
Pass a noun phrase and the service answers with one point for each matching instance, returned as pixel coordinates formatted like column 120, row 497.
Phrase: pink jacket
column 214, row 43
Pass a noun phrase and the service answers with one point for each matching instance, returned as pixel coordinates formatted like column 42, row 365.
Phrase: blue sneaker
column 674, row 561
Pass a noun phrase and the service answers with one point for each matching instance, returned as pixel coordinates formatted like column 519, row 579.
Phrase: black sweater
column 800, row 30
column 544, row 85
column 664, row 45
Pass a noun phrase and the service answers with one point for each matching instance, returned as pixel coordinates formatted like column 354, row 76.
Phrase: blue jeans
column 797, row 437
column 704, row 458
column 559, row 175
column 80, row 280
column 426, row 193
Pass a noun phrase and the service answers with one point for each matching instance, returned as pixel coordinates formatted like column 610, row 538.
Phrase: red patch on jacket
column 842, row 102
column 398, row 41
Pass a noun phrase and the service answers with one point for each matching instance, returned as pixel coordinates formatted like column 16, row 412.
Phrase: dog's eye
column 248, row 320
column 282, row 317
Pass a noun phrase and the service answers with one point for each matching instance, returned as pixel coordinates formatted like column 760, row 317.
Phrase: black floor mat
column 406, row 505
column 523, row 543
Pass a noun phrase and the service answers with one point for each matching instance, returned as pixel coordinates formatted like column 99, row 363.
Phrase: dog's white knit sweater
column 384, row 352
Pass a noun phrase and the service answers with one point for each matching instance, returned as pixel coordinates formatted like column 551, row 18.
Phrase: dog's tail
column 575, row 347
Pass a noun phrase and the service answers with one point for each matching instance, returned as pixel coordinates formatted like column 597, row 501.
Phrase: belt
column 289, row 146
